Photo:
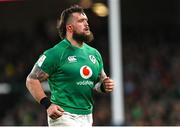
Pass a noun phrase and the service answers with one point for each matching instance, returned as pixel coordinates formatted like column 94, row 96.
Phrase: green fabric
column 70, row 79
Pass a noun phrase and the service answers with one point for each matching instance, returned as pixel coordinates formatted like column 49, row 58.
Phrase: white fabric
column 71, row 120
column 98, row 87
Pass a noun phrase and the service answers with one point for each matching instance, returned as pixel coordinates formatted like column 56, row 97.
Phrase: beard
column 80, row 37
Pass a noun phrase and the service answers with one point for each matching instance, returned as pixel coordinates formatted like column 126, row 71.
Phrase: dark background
column 150, row 49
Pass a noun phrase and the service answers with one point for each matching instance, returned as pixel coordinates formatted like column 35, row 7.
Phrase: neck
column 74, row 42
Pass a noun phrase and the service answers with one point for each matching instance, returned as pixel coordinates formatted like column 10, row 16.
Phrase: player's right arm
column 33, row 84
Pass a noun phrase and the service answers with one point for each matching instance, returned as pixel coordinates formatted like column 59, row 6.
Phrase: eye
column 83, row 20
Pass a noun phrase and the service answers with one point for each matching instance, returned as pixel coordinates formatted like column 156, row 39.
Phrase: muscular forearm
column 35, row 88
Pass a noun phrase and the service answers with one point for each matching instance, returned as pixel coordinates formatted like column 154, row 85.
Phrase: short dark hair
column 61, row 24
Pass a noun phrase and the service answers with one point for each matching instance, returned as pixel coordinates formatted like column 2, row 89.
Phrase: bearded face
column 81, row 37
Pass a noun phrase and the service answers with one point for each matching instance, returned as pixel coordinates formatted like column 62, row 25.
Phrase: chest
column 80, row 65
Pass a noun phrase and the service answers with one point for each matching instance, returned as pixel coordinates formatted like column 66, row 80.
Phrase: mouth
column 87, row 29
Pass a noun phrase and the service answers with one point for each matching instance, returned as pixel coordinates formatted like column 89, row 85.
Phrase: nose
column 86, row 23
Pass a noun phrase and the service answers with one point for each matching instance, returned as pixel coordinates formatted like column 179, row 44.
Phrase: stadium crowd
column 151, row 70
column 151, row 77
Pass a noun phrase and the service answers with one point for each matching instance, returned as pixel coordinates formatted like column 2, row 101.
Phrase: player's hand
column 108, row 85
column 54, row 111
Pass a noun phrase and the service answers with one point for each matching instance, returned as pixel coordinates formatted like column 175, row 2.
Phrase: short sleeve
column 100, row 60
column 48, row 61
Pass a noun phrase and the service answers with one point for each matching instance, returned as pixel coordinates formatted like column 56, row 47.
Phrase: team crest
column 92, row 58
column 86, row 72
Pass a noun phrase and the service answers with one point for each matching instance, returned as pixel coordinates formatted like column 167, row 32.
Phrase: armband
column 102, row 88
column 99, row 87
column 45, row 102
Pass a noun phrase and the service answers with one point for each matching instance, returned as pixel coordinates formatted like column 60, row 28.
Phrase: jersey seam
column 63, row 55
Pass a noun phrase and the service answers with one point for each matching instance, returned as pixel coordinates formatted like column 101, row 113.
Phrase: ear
column 69, row 28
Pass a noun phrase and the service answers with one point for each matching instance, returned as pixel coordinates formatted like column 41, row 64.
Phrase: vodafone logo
column 85, row 72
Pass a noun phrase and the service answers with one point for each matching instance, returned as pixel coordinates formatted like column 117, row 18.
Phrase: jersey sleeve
column 48, row 61
column 100, row 61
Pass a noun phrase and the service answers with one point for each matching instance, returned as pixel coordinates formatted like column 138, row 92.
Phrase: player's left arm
column 105, row 83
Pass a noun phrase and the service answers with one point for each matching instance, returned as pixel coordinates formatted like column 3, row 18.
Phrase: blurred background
column 150, row 51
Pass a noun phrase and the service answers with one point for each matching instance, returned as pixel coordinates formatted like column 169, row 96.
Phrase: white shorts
column 71, row 120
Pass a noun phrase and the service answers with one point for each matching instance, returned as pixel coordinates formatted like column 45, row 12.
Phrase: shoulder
column 90, row 48
column 50, row 58
column 93, row 50
column 56, row 50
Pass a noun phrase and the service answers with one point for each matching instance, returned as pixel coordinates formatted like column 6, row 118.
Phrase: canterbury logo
column 85, row 72
column 72, row 59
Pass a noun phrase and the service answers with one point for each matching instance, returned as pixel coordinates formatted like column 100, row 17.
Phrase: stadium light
column 100, row 9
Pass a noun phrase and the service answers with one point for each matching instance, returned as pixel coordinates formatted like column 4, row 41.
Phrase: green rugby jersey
column 73, row 73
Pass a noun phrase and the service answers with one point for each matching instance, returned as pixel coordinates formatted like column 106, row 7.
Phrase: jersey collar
column 74, row 47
